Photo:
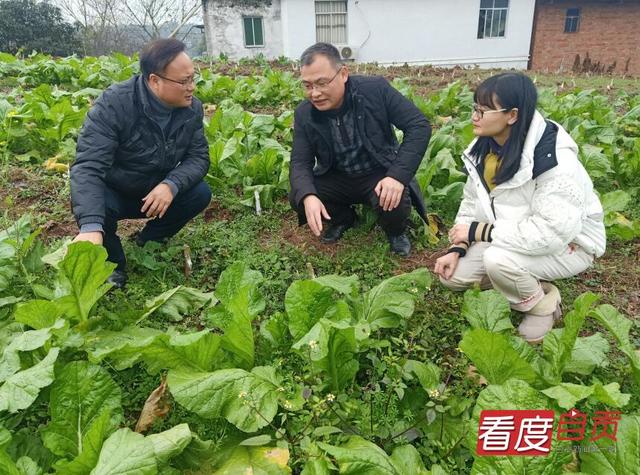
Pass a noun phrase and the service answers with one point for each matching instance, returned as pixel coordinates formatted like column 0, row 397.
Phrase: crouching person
column 142, row 153
column 345, row 150
column 529, row 215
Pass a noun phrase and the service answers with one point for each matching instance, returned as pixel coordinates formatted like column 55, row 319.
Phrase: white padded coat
column 538, row 214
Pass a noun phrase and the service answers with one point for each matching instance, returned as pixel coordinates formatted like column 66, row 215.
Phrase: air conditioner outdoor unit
column 348, row 53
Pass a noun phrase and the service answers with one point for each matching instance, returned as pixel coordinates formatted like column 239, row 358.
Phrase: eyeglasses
column 481, row 113
column 184, row 83
column 320, row 84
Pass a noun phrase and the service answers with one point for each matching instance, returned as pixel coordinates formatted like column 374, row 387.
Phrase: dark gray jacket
column 121, row 147
column 378, row 106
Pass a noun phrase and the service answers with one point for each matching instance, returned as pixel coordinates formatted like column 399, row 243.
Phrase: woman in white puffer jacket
column 529, row 214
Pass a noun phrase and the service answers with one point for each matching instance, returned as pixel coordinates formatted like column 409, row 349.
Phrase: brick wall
column 608, row 32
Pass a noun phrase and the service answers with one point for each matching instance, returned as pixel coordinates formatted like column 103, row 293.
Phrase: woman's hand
column 459, row 233
column 446, row 265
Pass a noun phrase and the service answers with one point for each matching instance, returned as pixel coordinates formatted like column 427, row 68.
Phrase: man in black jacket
column 345, row 150
column 142, row 153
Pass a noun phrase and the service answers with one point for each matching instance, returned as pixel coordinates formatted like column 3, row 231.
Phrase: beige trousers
column 516, row 276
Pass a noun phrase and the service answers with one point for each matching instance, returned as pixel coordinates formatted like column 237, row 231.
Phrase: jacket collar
column 181, row 115
column 538, row 153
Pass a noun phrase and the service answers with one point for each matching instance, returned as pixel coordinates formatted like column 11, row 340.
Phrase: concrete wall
column 437, row 32
column 225, row 30
column 440, row 32
column 608, row 32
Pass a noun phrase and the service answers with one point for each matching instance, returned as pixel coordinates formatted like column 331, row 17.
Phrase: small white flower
column 434, row 393
column 280, row 389
column 313, row 344
column 287, row 405
column 330, row 397
column 242, row 395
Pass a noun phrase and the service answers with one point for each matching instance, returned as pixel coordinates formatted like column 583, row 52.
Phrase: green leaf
column 126, row 453
column 81, row 392
column 332, row 349
column 619, row 327
column 123, row 348
column 13, row 237
column 27, row 466
column 5, row 301
column 8, row 466
column 568, row 394
column 238, row 281
column 100, row 429
column 306, row 302
column 258, row 460
column 558, row 347
column 617, row 200
column 595, row 162
column 240, row 302
column 588, row 352
column 614, row 458
column 23, row 342
column 82, row 274
column 198, row 351
column 176, row 303
column 170, row 443
column 257, row 440
column 407, row 460
column 246, row 399
column 610, row 395
column 198, row 455
column 488, row 310
column 345, row 285
column 393, row 300
column 359, row 456
column 38, row 314
column 22, row 388
column 494, row 357
column 518, row 395
column 427, row 373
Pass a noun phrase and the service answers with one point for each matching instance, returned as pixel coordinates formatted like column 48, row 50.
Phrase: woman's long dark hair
column 508, row 91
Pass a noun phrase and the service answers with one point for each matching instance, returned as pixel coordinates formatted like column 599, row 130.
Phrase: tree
column 154, row 15
column 28, row 25
column 100, row 24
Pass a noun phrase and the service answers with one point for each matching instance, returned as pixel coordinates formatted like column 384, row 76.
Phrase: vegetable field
column 246, row 346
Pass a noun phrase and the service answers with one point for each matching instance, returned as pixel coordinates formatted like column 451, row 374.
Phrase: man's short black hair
column 157, row 55
column 325, row 49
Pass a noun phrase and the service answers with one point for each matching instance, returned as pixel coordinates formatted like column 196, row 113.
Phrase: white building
column 488, row 33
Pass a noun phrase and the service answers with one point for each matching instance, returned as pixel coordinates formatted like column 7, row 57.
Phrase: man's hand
column 315, row 211
column 446, row 265
column 94, row 237
column 389, row 191
column 157, row 201
column 459, row 233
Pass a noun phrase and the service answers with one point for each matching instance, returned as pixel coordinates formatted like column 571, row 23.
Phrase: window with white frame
column 572, row 20
column 331, row 21
column 492, row 22
column 253, row 31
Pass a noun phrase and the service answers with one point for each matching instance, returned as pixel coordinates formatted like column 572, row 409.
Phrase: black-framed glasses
column 476, row 110
column 184, row 83
column 320, row 84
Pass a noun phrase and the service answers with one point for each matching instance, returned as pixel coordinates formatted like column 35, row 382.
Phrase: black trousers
column 339, row 192
column 186, row 205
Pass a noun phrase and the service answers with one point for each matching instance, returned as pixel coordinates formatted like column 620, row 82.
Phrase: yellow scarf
column 491, row 165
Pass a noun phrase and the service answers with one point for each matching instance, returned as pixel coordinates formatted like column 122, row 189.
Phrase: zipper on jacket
column 343, row 133
column 493, row 208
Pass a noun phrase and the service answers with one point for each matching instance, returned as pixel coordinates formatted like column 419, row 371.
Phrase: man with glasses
column 142, row 153
column 345, row 150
